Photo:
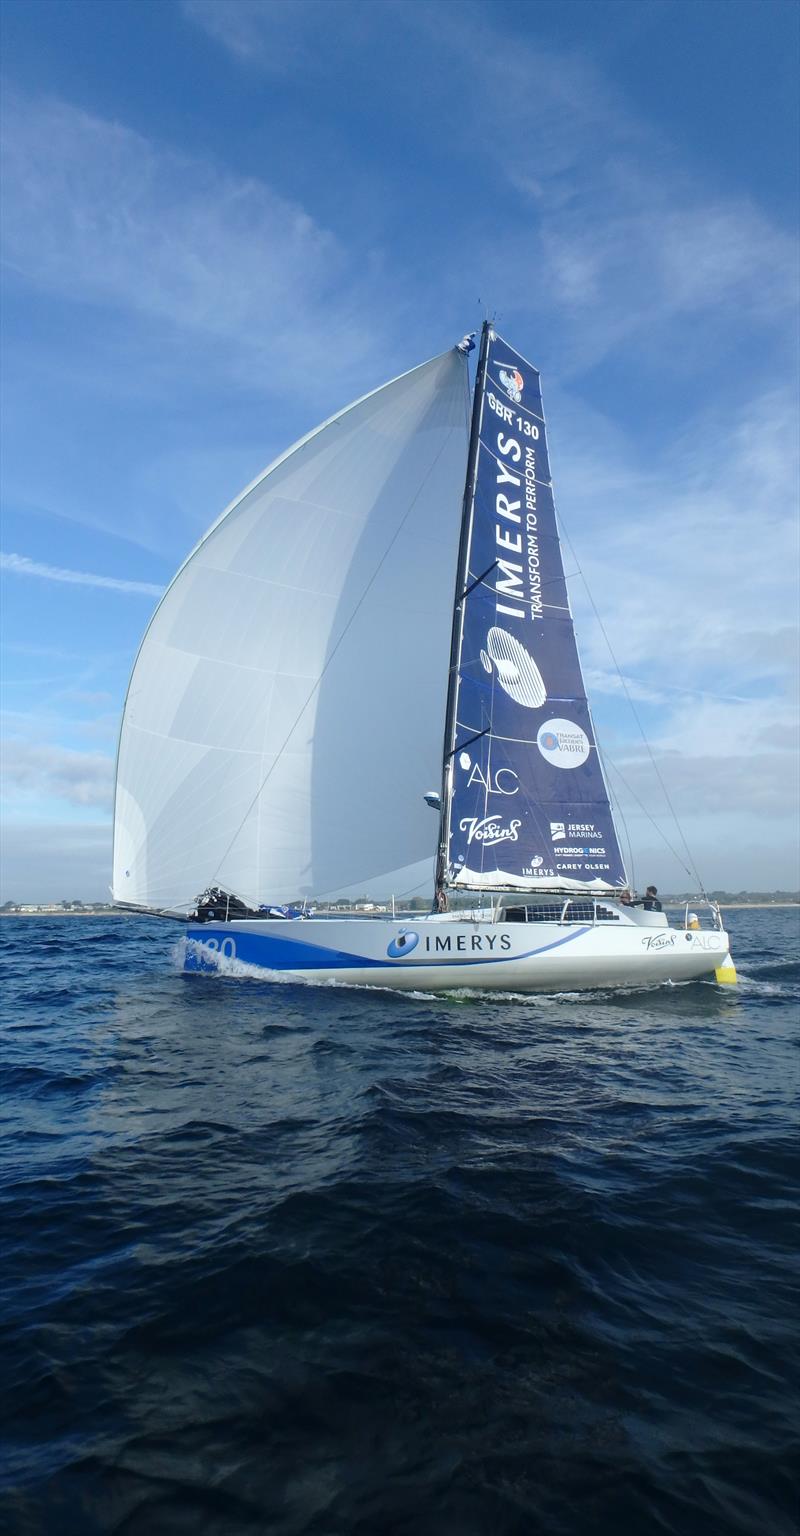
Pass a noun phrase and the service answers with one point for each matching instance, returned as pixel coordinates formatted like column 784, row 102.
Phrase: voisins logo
column 490, row 831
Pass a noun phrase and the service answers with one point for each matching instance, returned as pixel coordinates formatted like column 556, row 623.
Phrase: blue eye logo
column 402, row 945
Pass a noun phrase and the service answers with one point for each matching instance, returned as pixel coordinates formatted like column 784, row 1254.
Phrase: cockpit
column 573, row 911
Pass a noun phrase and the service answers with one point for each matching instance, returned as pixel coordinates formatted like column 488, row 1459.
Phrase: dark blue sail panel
column 528, row 806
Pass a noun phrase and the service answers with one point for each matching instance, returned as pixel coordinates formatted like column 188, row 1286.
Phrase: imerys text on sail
column 508, row 507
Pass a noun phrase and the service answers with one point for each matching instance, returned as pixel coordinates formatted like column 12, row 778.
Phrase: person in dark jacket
column 649, row 900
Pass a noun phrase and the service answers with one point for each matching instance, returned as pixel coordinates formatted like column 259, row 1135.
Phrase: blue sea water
column 287, row 1259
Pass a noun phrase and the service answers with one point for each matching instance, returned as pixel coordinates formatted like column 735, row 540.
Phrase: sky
column 224, row 219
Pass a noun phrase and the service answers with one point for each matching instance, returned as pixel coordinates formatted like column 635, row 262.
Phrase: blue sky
column 223, row 219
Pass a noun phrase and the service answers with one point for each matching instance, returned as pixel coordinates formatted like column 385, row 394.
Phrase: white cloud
column 33, row 772
column 612, row 237
column 262, row 32
column 653, row 256
column 56, row 861
column 25, row 648
column 709, row 726
column 93, row 211
column 730, row 772
column 599, row 680
column 692, row 561
column 20, row 565
column 84, row 696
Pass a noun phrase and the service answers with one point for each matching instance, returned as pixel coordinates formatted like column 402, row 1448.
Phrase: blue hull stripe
column 279, row 954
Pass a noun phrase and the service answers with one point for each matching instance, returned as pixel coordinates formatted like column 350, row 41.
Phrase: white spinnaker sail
column 285, row 712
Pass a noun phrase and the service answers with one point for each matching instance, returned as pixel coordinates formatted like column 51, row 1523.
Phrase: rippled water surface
column 319, row 1260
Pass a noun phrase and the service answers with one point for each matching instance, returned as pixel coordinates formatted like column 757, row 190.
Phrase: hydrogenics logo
column 517, row 672
column 512, row 382
column 563, row 743
column 402, row 945
column 558, row 831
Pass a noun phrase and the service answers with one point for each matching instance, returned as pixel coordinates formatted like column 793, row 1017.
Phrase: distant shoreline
column 104, row 912
column 670, row 906
column 738, row 906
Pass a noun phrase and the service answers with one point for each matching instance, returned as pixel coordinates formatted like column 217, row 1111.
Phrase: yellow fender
column 725, row 974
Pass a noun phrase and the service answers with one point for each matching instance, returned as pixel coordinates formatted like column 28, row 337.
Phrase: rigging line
column 686, row 693
column 615, row 804
column 326, row 897
column 412, row 889
column 693, row 871
column 616, row 807
column 462, row 745
column 373, row 578
column 622, row 817
column 693, row 875
column 478, row 580
column 552, row 581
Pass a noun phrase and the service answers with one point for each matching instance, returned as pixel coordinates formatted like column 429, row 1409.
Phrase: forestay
column 526, row 806
column 285, row 712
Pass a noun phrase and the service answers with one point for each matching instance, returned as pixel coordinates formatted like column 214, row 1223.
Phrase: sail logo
column 504, row 781
column 512, row 382
column 489, row 831
column 563, row 743
column 558, row 831
column 402, row 945
column 516, row 670
column 704, row 940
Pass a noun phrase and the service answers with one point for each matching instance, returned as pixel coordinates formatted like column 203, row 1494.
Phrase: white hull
column 433, row 953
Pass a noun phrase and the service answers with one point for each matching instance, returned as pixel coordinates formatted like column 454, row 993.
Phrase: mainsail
column 284, row 716
column 525, row 805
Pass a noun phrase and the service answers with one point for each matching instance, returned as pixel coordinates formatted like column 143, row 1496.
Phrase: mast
column 461, row 592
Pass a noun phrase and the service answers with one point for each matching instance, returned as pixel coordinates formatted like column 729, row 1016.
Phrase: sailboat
column 311, row 672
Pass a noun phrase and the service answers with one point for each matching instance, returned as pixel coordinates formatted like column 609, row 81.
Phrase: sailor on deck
column 649, row 901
